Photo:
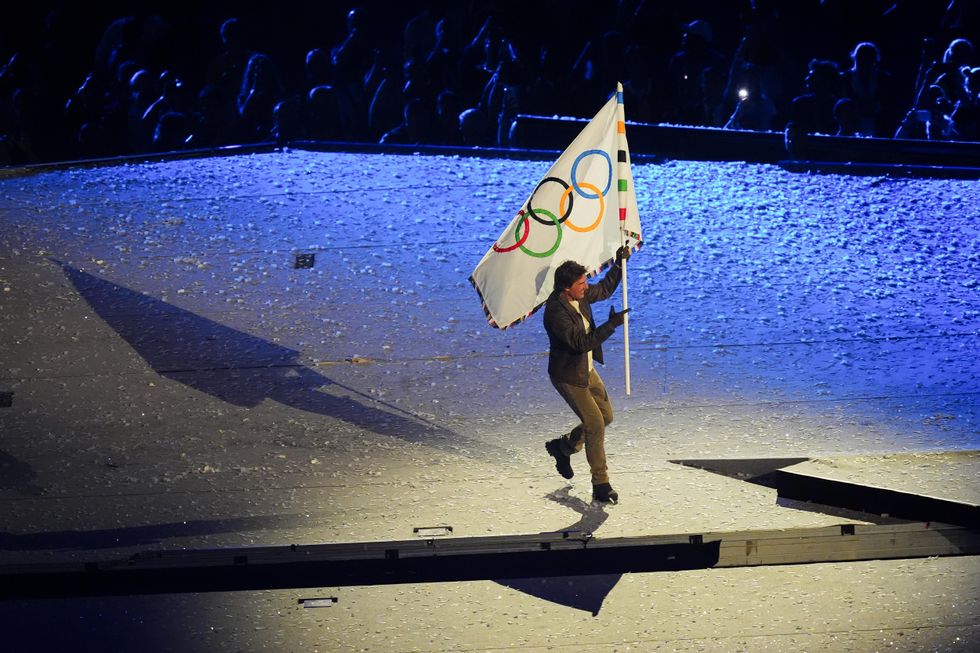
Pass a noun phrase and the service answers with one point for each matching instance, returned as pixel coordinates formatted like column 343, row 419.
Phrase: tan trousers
column 592, row 407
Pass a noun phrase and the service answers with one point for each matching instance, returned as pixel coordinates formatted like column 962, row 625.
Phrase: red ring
column 527, row 232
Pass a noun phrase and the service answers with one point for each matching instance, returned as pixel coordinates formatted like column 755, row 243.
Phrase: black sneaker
column 563, row 463
column 604, row 493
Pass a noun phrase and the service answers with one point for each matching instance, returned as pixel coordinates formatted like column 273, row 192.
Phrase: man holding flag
column 576, row 222
column 575, row 345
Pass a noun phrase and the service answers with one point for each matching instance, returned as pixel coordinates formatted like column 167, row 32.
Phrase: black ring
column 564, row 216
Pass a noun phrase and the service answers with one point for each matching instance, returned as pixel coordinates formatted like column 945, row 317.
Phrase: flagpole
column 621, row 137
column 626, row 332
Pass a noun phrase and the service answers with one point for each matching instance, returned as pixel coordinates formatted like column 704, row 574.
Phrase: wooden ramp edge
column 452, row 559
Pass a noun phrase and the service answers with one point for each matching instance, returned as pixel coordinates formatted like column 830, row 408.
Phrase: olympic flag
column 583, row 209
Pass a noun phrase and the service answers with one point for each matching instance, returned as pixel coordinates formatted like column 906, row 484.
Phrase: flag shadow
column 582, row 592
column 18, row 476
column 244, row 370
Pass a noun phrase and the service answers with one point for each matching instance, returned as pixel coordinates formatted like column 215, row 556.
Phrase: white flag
column 583, row 210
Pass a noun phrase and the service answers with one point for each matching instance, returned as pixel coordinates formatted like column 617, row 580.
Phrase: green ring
column 554, row 248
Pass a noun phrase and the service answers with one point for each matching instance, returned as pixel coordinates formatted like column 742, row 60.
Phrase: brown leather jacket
column 568, row 360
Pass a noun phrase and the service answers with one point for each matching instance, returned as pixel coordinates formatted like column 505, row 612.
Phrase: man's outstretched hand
column 616, row 318
column 623, row 253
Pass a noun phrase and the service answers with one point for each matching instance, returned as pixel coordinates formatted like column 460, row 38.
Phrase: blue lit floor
column 178, row 383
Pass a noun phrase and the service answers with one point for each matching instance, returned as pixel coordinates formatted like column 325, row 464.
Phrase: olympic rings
column 531, row 200
column 554, row 248
column 567, row 198
column 576, row 185
column 527, row 232
column 598, row 219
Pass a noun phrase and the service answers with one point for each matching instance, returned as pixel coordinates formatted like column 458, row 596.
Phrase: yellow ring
column 602, row 207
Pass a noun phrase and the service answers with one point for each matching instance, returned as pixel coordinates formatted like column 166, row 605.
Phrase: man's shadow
column 586, row 592
column 245, row 370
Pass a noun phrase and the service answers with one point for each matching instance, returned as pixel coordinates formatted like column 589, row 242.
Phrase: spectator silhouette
column 387, row 106
column 753, row 109
column 115, row 107
column 474, row 127
column 85, row 108
column 930, row 118
column 763, row 48
column 326, row 115
column 417, row 84
column 142, row 93
column 447, row 114
column 376, row 72
column 93, row 140
column 146, row 40
column 173, row 99
column 686, row 73
column 867, row 85
column 223, row 80
column 124, row 73
column 813, row 111
column 289, row 123
column 962, row 19
column 33, row 87
column 227, row 68
column 351, row 60
column 317, row 68
column 120, row 41
column 24, row 129
column 261, row 91
column 584, row 75
column 545, row 83
column 947, row 73
column 609, row 62
column 503, row 99
column 966, row 113
column 482, row 57
column 848, row 118
column 417, row 127
column 442, row 61
column 14, row 73
column 59, row 66
column 713, row 84
column 172, row 132
column 638, row 85
column 218, row 122
column 420, row 35
column 349, row 57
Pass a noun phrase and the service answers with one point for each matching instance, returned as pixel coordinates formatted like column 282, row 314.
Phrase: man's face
column 577, row 290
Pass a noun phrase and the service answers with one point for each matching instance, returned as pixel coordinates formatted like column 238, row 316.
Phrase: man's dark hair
column 568, row 273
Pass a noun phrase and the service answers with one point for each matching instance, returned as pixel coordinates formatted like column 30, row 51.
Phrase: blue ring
column 591, row 196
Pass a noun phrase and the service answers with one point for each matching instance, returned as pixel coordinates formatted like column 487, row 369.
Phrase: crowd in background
column 78, row 84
